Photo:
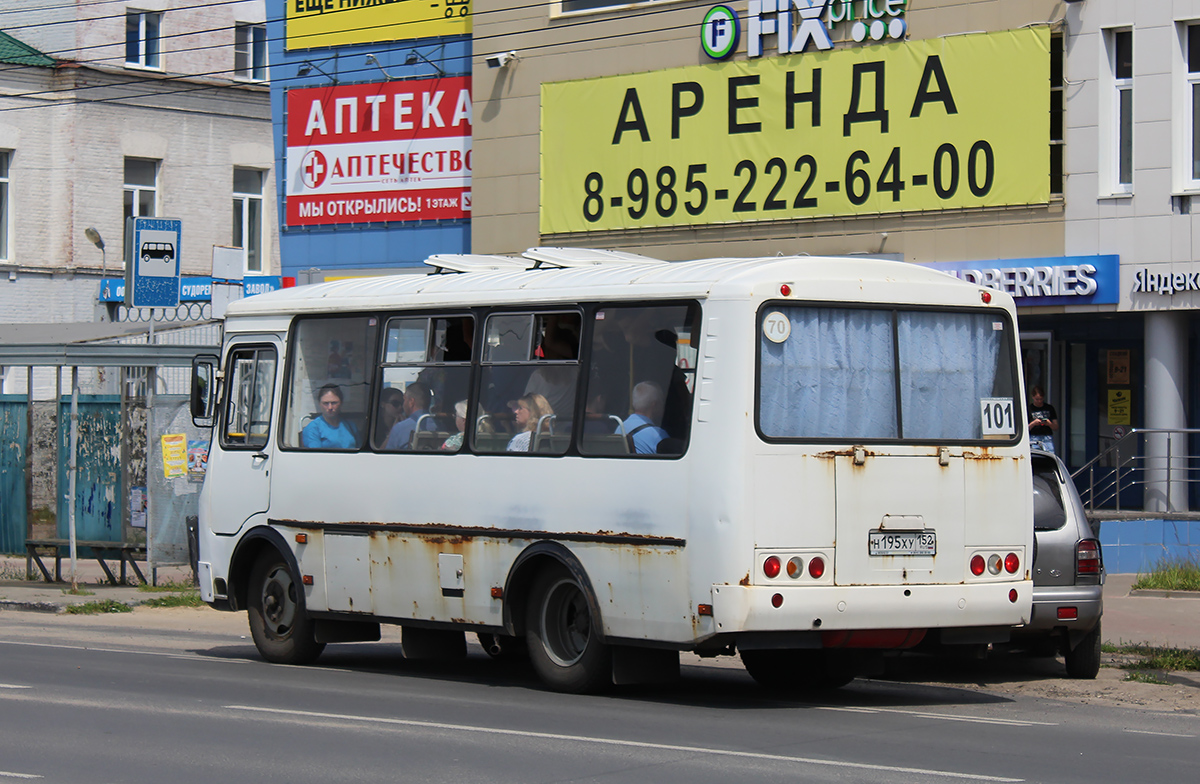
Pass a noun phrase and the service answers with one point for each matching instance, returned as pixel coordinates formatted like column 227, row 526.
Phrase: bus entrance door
column 246, row 447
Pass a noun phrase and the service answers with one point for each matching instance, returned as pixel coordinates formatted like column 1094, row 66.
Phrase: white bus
column 603, row 460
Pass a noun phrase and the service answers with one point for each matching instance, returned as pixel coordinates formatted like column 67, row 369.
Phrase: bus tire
column 282, row 630
column 1083, row 661
column 561, row 638
column 791, row 671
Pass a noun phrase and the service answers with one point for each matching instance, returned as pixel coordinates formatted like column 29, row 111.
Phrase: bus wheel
column 562, row 642
column 796, row 670
column 282, row 631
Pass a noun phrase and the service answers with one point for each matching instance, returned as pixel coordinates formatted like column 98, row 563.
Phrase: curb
column 1165, row 594
column 42, row 607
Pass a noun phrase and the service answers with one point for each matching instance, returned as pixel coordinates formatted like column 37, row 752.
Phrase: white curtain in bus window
column 949, row 362
column 425, row 374
column 329, row 383
column 252, row 382
column 833, row 377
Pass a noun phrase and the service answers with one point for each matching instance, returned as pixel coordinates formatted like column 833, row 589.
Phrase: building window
column 1192, row 58
column 247, row 218
column 1057, row 113
column 142, row 38
column 4, row 201
column 1119, row 150
column 250, row 52
column 141, row 190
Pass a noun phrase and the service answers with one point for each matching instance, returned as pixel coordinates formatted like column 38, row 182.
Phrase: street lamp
column 94, row 237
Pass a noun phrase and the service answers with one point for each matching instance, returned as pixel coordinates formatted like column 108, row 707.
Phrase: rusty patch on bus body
column 461, row 534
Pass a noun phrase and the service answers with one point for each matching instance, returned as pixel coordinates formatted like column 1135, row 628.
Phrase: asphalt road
column 133, row 700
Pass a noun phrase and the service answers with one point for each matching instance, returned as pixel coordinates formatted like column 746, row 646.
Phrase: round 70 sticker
column 719, row 32
column 776, row 327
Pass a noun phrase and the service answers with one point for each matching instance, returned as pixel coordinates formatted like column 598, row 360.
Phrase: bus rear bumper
column 738, row 608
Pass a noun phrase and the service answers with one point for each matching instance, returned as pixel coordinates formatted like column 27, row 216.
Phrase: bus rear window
column 871, row 374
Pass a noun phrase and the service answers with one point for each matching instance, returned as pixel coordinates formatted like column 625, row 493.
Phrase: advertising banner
column 387, row 151
column 313, row 23
column 945, row 123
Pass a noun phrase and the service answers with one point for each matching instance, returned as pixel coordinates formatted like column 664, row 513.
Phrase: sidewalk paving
column 1157, row 618
column 38, row 595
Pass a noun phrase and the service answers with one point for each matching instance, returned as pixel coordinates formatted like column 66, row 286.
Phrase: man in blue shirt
column 416, row 405
column 647, row 409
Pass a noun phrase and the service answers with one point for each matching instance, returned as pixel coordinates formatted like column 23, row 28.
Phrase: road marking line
column 13, row 686
column 1165, row 734
column 946, row 716
column 188, row 656
column 7, row 774
column 308, row 715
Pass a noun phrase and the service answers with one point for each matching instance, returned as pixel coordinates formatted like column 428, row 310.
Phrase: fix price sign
column 947, row 123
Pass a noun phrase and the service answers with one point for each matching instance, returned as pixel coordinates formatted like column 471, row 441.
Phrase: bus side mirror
column 204, row 378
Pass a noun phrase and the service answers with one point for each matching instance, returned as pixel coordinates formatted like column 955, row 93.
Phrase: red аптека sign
column 389, row 151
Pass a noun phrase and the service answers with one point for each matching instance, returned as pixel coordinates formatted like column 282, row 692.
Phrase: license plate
column 902, row 543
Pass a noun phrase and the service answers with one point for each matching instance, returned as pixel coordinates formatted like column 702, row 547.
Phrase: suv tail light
column 1087, row 557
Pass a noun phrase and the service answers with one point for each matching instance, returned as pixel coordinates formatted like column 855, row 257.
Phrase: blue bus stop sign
column 152, row 262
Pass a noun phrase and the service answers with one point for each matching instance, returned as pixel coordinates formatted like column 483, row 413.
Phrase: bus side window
column 529, row 380
column 247, row 421
column 425, row 375
column 639, row 396
column 330, row 360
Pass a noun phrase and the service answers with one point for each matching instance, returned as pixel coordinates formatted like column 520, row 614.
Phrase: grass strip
column 94, row 608
column 1171, row 574
column 185, row 599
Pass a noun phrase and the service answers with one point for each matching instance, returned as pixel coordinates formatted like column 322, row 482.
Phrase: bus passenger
column 391, row 403
column 416, row 405
column 640, row 427
column 329, row 431
column 527, row 412
column 455, row 442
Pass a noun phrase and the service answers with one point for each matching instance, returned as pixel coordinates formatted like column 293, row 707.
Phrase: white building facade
column 109, row 110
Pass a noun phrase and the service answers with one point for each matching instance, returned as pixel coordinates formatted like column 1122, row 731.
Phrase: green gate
column 14, row 440
column 98, row 497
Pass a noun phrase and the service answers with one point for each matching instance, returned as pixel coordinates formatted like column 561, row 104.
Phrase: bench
column 126, row 552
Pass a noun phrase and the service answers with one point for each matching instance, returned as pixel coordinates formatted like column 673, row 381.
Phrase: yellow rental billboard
column 946, row 123
column 313, row 23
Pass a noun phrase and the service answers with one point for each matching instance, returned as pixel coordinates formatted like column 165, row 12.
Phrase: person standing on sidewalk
column 1043, row 421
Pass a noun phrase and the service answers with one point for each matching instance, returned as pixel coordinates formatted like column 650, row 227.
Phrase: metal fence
column 1147, row 470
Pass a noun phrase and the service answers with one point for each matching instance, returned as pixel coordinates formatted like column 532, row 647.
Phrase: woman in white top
column 527, row 412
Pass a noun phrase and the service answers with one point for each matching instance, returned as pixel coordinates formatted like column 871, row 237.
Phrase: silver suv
column 1068, row 571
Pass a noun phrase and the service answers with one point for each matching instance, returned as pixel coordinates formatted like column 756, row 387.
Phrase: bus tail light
column 1087, row 557
column 978, row 565
column 816, row 567
column 771, row 567
column 795, row 567
column 1012, row 563
column 994, row 563
column 777, row 600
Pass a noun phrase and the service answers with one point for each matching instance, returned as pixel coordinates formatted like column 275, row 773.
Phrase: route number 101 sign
column 996, row 414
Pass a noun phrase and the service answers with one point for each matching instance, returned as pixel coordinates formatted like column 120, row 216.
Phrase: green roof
column 14, row 52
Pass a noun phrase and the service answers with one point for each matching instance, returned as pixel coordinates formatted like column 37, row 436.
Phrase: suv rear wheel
column 1083, row 661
